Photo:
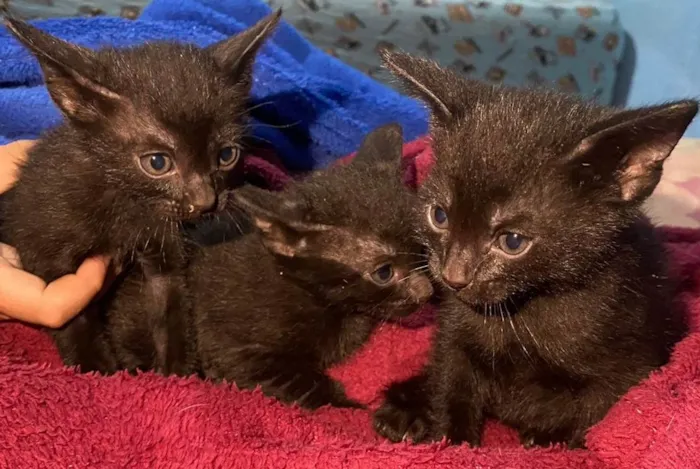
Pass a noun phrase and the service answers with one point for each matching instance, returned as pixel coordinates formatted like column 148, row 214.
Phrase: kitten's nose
column 453, row 273
column 455, row 283
column 200, row 198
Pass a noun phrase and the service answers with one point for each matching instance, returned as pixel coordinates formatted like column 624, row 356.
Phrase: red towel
column 51, row 416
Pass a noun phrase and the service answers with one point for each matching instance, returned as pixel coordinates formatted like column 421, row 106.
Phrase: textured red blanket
column 53, row 417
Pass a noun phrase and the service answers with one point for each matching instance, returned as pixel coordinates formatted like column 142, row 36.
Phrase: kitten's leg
column 404, row 413
column 179, row 352
column 82, row 342
column 456, row 403
column 168, row 310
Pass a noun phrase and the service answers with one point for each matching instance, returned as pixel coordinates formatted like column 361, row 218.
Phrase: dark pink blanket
column 51, row 416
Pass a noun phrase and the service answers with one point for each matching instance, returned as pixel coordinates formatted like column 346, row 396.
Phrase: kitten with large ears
column 558, row 297
column 332, row 258
column 151, row 139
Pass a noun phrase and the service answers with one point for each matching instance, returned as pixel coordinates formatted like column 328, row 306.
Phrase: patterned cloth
column 32, row 9
column 574, row 45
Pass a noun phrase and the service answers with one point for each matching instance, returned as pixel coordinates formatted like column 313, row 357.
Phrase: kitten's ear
column 426, row 80
column 630, row 148
column 236, row 54
column 67, row 72
column 280, row 218
column 382, row 146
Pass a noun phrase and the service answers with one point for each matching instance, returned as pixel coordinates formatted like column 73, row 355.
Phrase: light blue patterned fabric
column 574, row 45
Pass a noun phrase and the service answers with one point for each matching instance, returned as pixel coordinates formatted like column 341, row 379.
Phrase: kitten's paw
column 463, row 431
column 530, row 439
column 324, row 392
column 399, row 424
column 577, row 441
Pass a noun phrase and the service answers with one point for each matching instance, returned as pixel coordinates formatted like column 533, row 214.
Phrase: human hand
column 11, row 155
column 26, row 297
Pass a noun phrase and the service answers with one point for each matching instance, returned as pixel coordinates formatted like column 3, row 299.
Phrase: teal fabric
column 574, row 45
column 663, row 57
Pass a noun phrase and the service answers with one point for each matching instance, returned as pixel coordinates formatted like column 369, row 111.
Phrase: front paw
column 322, row 391
column 531, row 438
column 400, row 424
column 461, row 425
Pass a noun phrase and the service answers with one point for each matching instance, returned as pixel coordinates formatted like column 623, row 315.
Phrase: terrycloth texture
column 52, row 417
column 325, row 106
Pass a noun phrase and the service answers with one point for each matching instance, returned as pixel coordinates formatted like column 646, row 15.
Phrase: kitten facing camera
column 331, row 258
column 151, row 140
column 557, row 298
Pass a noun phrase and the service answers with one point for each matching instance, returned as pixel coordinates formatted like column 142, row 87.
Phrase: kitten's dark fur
column 100, row 182
column 546, row 330
column 282, row 304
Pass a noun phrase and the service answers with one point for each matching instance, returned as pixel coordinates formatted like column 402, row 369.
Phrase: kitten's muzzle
column 454, row 277
column 421, row 288
column 199, row 199
column 454, row 269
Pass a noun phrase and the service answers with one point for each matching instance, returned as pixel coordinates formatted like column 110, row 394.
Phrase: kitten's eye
column 438, row 217
column 229, row 156
column 156, row 164
column 513, row 243
column 383, row 275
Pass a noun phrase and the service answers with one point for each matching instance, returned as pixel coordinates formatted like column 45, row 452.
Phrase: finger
column 27, row 298
column 17, row 151
column 66, row 297
column 20, row 293
column 9, row 254
column 12, row 155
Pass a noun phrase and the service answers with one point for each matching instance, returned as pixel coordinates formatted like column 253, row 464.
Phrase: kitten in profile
column 332, row 257
column 150, row 141
column 558, row 298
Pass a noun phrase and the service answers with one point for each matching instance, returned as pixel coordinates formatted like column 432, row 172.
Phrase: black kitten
column 559, row 300
column 332, row 257
column 151, row 139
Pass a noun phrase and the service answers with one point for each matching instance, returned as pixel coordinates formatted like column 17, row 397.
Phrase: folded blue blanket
column 320, row 108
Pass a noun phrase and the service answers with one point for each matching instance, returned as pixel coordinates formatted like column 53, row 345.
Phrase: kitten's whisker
column 524, row 322
column 148, row 240
column 272, row 126
column 253, row 108
column 419, row 269
column 417, row 254
column 235, row 220
column 257, row 137
column 493, row 347
column 512, row 325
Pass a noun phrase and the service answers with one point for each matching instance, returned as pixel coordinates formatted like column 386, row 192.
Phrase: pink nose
column 454, row 283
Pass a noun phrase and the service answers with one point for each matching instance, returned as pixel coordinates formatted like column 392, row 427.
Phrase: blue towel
column 325, row 106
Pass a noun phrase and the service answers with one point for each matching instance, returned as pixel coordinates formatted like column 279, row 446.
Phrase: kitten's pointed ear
column 424, row 79
column 384, row 145
column 280, row 218
column 236, row 54
column 630, row 148
column 67, row 71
